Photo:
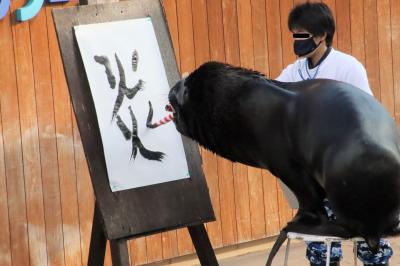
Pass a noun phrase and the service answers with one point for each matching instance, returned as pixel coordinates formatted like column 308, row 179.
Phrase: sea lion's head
column 205, row 103
column 178, row 104
column 196, row 102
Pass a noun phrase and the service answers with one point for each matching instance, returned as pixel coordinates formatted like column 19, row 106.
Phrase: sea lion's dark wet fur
column 322, row 138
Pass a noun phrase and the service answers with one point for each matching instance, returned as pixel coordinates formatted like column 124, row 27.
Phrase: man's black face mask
column 304, row 47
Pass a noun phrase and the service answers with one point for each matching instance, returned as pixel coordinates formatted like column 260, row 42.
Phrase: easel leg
column 98, row 240
column 119, row 252
column 202, row 245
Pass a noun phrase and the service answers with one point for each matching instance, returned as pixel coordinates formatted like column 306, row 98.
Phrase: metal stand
column 314, row 238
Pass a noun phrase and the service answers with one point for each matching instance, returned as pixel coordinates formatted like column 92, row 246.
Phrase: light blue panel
column 29, row 10
column 4, row 7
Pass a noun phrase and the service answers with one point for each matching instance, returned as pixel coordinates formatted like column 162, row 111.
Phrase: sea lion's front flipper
column 326, row 228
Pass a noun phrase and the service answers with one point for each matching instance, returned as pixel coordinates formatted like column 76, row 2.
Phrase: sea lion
column 322, row 138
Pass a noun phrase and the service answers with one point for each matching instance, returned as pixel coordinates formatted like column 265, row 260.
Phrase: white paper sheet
column 122, row 38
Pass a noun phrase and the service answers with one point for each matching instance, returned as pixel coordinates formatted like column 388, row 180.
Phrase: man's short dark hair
column 316, row 18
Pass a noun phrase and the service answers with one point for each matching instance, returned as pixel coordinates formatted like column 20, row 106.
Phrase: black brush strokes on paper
column 136, row 142
column 123, row 90
column 103, row 60
column 135, row 60
column 150, row 155
column 130, row 93
column 149, row 124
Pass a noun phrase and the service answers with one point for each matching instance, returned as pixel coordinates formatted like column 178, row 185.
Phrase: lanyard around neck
column 308, row 73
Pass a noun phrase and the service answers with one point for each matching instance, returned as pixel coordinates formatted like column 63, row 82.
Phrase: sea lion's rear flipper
column 278, row 243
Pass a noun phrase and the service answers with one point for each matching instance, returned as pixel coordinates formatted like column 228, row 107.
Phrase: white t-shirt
column 337, row 66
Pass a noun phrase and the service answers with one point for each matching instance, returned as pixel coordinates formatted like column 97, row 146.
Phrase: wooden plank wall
column 46, row 199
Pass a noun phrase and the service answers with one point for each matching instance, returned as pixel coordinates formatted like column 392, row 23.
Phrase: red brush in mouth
column 163, row 121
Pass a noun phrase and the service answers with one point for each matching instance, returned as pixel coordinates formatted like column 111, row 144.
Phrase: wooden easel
column 172, row 205
column 119, row 247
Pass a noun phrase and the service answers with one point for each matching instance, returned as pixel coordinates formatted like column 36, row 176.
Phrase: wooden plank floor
column 256, row 255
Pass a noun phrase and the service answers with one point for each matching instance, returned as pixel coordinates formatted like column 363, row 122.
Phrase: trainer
column 313, row 27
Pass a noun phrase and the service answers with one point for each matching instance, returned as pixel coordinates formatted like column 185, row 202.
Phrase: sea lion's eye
column 185, row 93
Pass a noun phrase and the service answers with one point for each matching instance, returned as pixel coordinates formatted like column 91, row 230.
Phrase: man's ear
column 323, row 37
column 318, row 39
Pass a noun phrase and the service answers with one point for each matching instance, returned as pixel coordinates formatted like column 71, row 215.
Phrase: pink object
column 165, row 120
column 162, row 121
